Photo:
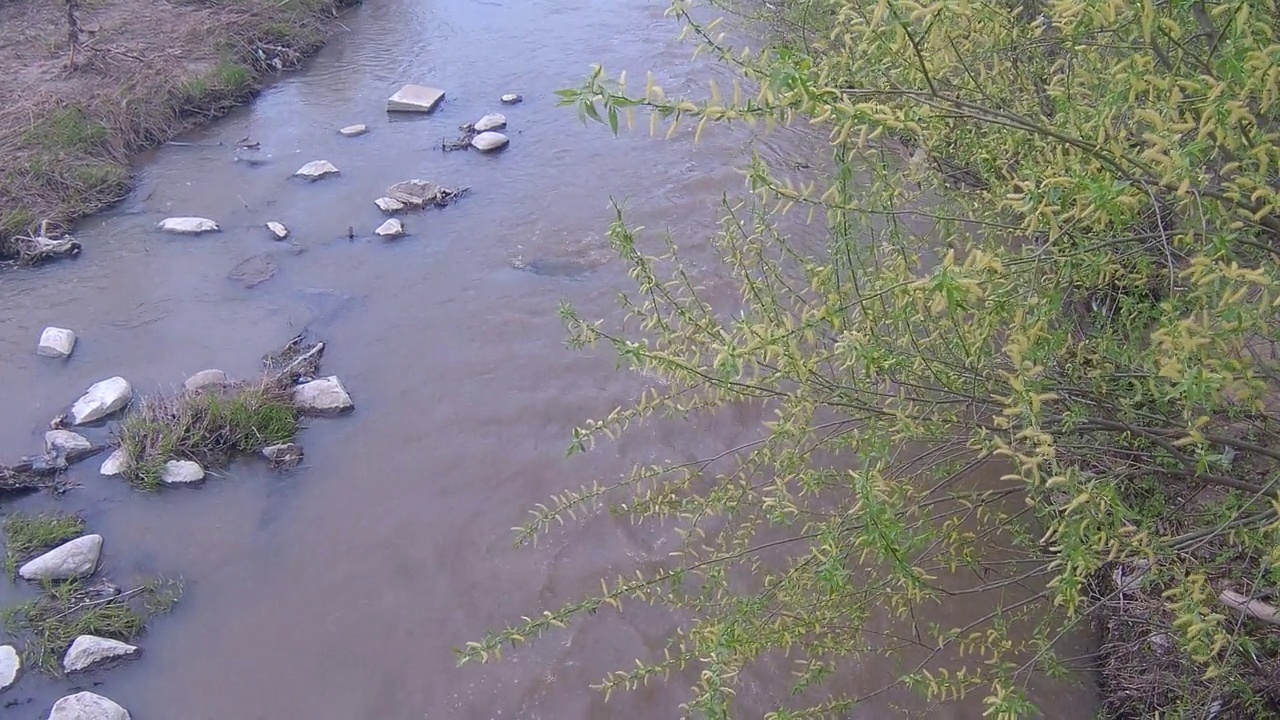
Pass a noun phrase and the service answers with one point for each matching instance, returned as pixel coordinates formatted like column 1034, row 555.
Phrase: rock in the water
column 10, row 664
column 511, row 99
column 87, row 706
column 278, row 229
column 282, row 456
column 415, row 193
column 77, row 558
column 489, row 141
column 492, row 121
column 89, row 650
column 389, row 205
column 324, row 395
column 205, row 378
column 415, row 98
column 101, row 399
column 56, row 342
column 188, row 225
column 64, row 441
column 316, row 169
column 254, row 270
column 115, row 463
column 354, row 130
column 182, row 472
column 392, row 228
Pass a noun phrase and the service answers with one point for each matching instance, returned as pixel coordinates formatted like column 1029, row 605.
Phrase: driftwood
column 41, row 471
column 40, row 247
column 1253, row 608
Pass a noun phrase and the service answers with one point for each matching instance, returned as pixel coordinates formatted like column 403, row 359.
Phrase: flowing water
column 339, row 591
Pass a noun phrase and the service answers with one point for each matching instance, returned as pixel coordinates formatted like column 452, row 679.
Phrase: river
column 338, row 591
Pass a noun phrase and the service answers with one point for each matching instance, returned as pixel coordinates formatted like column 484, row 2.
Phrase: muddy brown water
column 339, row 591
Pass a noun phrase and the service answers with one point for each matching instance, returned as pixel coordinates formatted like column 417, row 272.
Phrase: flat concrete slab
column 415, row 98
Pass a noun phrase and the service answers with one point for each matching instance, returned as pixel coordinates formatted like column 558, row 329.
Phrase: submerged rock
column 414, row 193
column 89, row 650
column 188, row 225
column 64, row 441
column 205, row 378
column 492, row 121
column 354, row 130
column 389, row 205
column 392, row 228
column 182, row 472
column 322, row 396
column 278, row 229
column 316, row 169
column 415, row 98
column 101, row 399
column 115, row 463
column 87, row 706
column 56, row 342
column 489, row 141
column 255, row 270
column 10, row 664
column 77, row 558
column 511, row 99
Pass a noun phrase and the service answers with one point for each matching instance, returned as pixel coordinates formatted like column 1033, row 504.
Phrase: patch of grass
column 69, row 129
column 29, row 535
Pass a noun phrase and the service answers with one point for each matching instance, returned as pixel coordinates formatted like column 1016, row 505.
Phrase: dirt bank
column 87, row 84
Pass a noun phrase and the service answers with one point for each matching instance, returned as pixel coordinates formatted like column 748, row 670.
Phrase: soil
column 88, row 84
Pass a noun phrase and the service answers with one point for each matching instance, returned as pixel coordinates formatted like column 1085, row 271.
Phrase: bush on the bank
column 1053, row 232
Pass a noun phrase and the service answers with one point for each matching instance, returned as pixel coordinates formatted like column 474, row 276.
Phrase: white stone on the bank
column 392, row 228
column 354, row 130
column 389, row 205
column 10, row 664
column 278, row 229
column 492, row 121
column 188, row 225
column 205, row 378
column 511, row 99
column 115, row 463
column 89, row 650
column 101, row 399
column 324, row 395
column 87, row 706
column 77, row 558
column 489, row 141
column 182, row 472
column 316, row 169
column 64, row 441
column 415, row 98
column 56, row 342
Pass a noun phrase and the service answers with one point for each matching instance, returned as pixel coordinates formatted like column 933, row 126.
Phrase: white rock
column 511, row 99
column 492, row 121
column 87, row 706
column 282, row 452
column 89, row 650
column 64, row 441
column 188, row 225
column 101, row 399
column 324, row 395
column 115, row 463
column 392, row 228
column 489, row 141
column 56, row 342
column 278, row 229
column 182, row 472
column 354, row 130
column 389, row 205
column 316, row 169
column 415, row 98
column 10, row 664
column 205, row 378
column 77, row 558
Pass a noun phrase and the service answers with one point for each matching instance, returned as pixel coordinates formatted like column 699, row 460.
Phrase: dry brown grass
column 143, row 71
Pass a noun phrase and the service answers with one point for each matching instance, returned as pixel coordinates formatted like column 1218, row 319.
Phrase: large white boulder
column 415, row 98
column 205, row 378
column 354, row 130
column 182, row 472
column 56, row 342
column 324, row 395
column 317, row 169
column 492, row 121
column 188, row 225
column 87, row 706
column 101, row 399
column 392, row 228
column 115, row 463
column 10, row 664
column 77, row 558
column 65, row 441
column 89, row 650
column 489, row 141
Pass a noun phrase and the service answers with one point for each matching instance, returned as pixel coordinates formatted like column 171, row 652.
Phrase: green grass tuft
column 29, row 535
column 69, row 130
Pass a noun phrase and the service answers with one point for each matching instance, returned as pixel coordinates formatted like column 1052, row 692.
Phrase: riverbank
column 92, row 84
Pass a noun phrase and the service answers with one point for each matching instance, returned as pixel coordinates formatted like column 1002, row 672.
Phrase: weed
column 28, row 535
column 69, row 129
